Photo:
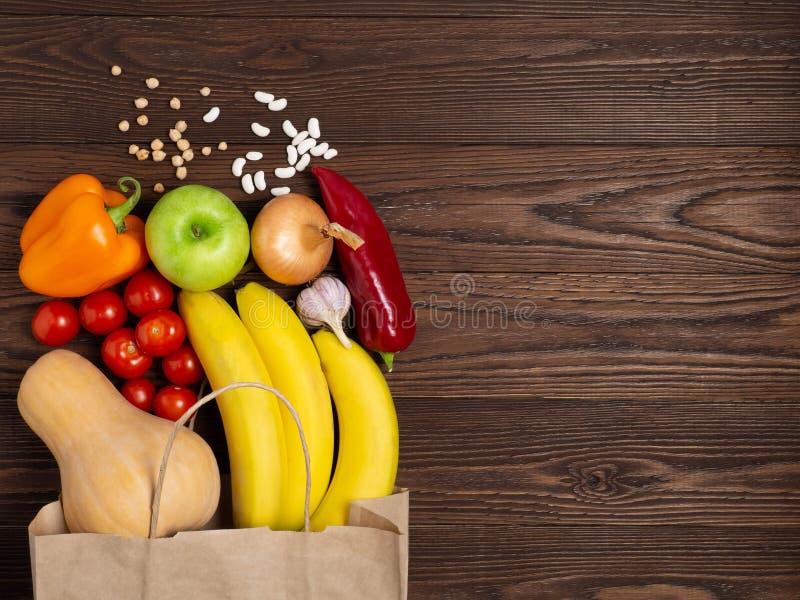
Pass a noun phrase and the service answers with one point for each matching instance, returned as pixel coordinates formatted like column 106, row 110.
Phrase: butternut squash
column 109, row 453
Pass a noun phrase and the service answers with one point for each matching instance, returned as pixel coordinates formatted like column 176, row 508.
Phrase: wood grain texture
column 561, row 336
column 415, row 8
column 684, row 209
column 516, row 80
column 599, row 563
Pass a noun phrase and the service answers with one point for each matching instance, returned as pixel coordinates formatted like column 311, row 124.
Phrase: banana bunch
column 267, row 343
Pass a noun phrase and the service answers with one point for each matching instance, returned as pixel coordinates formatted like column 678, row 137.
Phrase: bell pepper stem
column 388, row 358
column 118, row 213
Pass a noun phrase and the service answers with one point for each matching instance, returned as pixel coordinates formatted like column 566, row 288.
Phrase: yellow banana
column 250, row 416
column 293, row 365
column 366, row 465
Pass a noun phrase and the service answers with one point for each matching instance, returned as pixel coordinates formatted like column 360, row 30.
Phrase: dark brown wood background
column 597, row 207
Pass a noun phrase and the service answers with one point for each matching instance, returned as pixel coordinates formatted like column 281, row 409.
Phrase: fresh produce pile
column 146, row 288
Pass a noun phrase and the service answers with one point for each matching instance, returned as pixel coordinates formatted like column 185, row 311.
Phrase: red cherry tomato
column 123, row 356
column 102, row 312
column 182, row 367
column 148, row 291
column 160, row 332
column 172, row 401
column 55, row 323
column 140, row 392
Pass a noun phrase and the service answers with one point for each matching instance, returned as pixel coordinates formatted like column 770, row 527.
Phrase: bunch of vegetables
column 264, row 341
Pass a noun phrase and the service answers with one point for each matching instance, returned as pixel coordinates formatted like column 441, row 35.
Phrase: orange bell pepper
column 81, row 238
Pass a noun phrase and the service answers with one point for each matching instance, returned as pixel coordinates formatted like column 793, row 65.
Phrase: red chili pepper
column 385, row 318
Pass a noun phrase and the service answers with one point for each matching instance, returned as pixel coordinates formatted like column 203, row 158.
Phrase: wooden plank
column 561, row 336
column 538, row 462
column 506, row 208
column 378, row 8
column 468, row 561
column 711, row 81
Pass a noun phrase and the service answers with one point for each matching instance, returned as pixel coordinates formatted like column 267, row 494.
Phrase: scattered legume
column 159, row 188
column 142, row 120
column 206, row 150
column 260, row 181
column 142, row 154
column 291, row 154
column 159, row 155
column 133, row 149
column 319, row 149
column 188, row 154
column 299, row 138
column 306, row 145
column 181, row 172
column 303, row 162
column 259, row 129
column 279, row 191
column 182, row 144
column 247, row 183
column 222, row 146
column 330, row 154
column 285, row 172
column 156, row 144
column 116, row 70
column 263, row 97
column 289, row 129
column 174, row 135
column 177, row 160
column 140, row 103
column 151, row 82
column 124, row 125
column 313, row 127
column 277, row 105
column 253, row 155
column 181, row 125
column 175, row 103
column 237, row 166
column 205, row 91
column 211, row 115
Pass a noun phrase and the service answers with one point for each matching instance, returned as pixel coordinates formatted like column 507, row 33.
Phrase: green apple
column 197, row 238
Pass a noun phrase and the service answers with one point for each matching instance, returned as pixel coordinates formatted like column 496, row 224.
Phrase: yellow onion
column 292, row 239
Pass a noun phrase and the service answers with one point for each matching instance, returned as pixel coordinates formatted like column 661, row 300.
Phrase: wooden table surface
column 597, row 209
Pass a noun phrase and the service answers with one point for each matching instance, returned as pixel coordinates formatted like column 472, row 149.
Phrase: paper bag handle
column 192, row 410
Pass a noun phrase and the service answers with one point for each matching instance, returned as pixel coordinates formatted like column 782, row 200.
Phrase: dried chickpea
column 133, row 149
column 140, row 103
column 205, row 91
column 124, row 125
column 174, row 103
column 159, row 155
column 182, row 144
column 159, row 188
column 181, row 173
column 177, row 160
column 222, row 146
column 116, row 70
column 143, row 154
column 188, row 154
column 174, row 135
column 181, row 126
column 206, row 150
column 151, row 82
column 142, row 120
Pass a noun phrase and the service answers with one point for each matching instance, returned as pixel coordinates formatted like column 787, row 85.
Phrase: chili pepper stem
column 334, row 230
column 118, row 213
column 388, row 358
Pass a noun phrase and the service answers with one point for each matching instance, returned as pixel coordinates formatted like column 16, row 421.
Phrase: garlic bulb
column 325, row 302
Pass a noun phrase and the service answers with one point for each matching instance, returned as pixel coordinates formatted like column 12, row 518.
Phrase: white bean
column 303, row 162
column 289, row 129
column 299, row 138
column 319, row 149
column 278, row 104
column 306, row 145
column 247, row 183
column 263, row 97
column 291, row 154
column 211, row 115
column 330, row 154
column 260, row 180
column 279, row 191
column 253, row 155
column 237, row 166
column 285, row 172
column 313, row 127
column 259, row 129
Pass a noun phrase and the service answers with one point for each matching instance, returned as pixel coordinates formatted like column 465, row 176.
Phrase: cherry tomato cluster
column 129, row 352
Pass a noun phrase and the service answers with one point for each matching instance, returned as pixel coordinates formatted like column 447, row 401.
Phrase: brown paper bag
column 367, row 559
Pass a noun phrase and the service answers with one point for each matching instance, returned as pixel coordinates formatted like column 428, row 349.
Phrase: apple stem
column 196, row 231
column 118, row 213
